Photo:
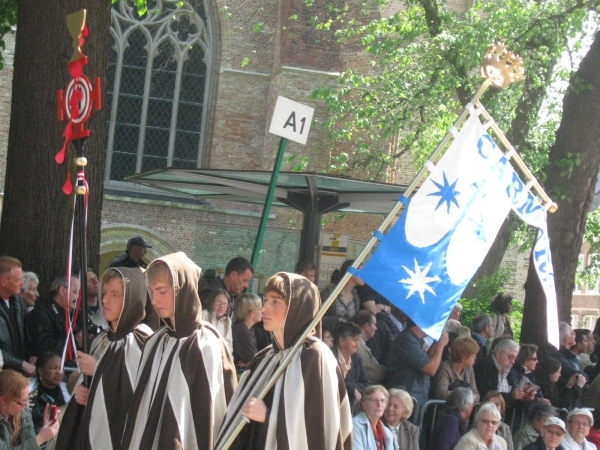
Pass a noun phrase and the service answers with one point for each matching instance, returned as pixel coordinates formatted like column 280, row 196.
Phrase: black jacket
column 123, row 260
column 381, row 342
column 46, row 327
column 486, row 377
column 12, row 352
column 568, row 362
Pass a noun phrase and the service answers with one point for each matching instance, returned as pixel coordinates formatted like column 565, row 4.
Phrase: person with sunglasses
column 16, row 424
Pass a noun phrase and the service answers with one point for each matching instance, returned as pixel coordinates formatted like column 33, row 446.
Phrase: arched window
column 158, row 86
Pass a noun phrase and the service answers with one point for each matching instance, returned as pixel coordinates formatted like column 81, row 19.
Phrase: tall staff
column 77, row 102
column 500, row 68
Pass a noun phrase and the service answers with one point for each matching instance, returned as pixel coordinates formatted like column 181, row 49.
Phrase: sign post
column 291, row 120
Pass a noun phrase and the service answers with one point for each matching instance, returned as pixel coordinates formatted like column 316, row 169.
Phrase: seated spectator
column 346, row 338
column 366, row 321
column 503, row 429
column 46, row 325
column 307, row 269
column 482, row 332
column 530, row 431
column 454, row 422
column 48, row 388
column 584, row 346
column 397, row 413
column 527, row 361
column 547, row 375
column 579, row 423
column 248, row 312
column 552, row 434
column 388, row 327
column 367, row 429
column 458, row 371
column 29, row 291
column 410, row 366
column 501, row 306
column 215, row 308
column 568, row 360
column 327, row 337
column 347, row 303
column 483, row 436
column 496, row 372
column 594, row 436
column 17, row 425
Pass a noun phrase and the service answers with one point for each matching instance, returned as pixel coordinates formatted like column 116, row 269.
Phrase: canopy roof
column 307, row 192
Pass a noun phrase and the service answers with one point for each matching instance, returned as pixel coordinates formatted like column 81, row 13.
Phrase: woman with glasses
column 483, row 436
column 368, row 430
column 504, row 431
column 579, row 423
column 16, row 424
column 216, row 306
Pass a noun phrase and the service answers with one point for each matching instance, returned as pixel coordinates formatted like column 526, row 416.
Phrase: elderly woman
column 399, row 409
column 346, row 340
column 214, row 312
column 458, row 372
column 504, row 431
column 16, row 425
column 29, row 291
column 368, row 430
column 347, row 303
column 453, row 423
column 483, row 436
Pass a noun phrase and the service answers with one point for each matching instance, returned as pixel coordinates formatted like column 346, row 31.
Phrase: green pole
column 267, row 208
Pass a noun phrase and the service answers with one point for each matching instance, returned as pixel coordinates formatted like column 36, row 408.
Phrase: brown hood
column 188, row 309
column 303, row 305
column 136, row 296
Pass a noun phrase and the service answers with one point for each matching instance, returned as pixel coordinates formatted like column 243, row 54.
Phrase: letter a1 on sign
column 291, row 120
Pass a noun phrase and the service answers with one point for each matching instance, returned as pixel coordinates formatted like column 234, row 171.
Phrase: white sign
column 291, row 120
column 334, row 251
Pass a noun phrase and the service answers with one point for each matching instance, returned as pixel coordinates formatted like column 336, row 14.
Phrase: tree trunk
column 36, row 214
column 577, row 139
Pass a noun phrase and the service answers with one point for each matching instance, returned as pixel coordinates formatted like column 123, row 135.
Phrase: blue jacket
column 363, row 434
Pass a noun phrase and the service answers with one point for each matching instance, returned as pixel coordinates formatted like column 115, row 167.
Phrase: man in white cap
column 551, row 436
column 579, row 422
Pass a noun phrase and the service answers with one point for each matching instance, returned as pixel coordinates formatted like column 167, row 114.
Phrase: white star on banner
column 419, row 281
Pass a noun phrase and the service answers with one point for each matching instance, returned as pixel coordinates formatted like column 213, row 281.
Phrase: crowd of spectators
column 488, row 390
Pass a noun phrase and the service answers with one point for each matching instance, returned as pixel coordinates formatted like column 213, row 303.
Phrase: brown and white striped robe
column 100, row 424
column 186, row 375
column 308, row 407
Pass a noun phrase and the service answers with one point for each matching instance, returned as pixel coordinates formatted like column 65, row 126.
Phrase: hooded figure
column 118, row 348
column 308, row 407
column 186, row 375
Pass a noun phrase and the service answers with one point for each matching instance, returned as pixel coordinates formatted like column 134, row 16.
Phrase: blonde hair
column 279, row 284
column 111, row 274
column 11, row 385
column 159, row 271
column 244, row 304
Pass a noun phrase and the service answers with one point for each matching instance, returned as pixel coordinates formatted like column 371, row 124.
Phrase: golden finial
column 501, row 66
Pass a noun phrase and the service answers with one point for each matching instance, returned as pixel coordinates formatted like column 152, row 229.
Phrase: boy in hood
column 96, row 417
column 308, row 407
column 186, row 375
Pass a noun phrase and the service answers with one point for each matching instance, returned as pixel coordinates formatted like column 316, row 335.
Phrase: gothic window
column 159, row 73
